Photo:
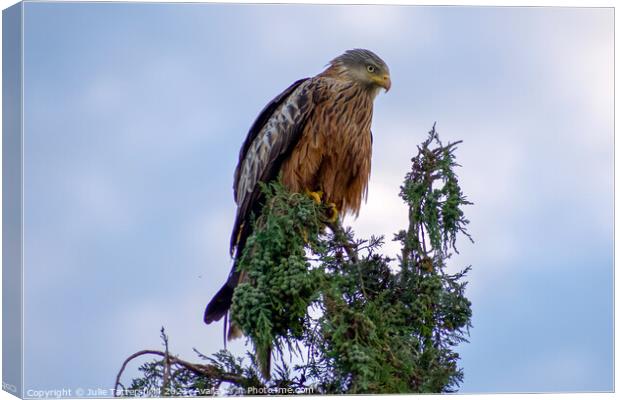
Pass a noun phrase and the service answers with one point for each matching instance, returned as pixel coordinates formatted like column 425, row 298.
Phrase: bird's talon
column 333, row 213
column 316, row 196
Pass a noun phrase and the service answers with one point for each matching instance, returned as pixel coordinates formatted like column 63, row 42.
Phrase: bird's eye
column 370, row 68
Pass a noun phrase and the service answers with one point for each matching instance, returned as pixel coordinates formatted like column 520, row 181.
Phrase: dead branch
column 206, row 370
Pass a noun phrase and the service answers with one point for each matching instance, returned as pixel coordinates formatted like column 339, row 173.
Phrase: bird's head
column 364, row 67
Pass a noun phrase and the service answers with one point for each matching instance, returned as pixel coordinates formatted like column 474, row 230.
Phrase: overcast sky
column 134, row 114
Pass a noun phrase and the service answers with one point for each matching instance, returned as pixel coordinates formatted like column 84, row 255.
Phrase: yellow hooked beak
column 384, row 81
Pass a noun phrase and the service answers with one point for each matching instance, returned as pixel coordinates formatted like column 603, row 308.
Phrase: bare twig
column 166, row 373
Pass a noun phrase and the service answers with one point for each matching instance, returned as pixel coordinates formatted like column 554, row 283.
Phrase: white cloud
column 384, row 214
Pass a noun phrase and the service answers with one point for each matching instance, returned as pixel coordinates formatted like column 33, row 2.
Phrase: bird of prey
column 316, row 134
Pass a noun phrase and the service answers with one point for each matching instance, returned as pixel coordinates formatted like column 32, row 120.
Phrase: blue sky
column 134, row 114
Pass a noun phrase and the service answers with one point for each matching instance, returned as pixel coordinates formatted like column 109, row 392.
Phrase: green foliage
column 351, row 319
column 270, row 304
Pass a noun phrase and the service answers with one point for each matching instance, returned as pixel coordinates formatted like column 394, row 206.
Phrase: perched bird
column 316, row 134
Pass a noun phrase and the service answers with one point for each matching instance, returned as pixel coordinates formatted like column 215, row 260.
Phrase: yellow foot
column 316, row 196
column 333, row 213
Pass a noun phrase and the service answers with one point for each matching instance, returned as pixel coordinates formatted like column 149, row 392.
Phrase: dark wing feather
column 274, row 134
column 271, row 139
column 258, row 124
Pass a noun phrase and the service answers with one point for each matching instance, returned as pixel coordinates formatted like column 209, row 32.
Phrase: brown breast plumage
column 334, row 152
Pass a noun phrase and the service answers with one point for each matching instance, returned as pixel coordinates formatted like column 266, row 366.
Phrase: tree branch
column 205, row 370
column 340, row 237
